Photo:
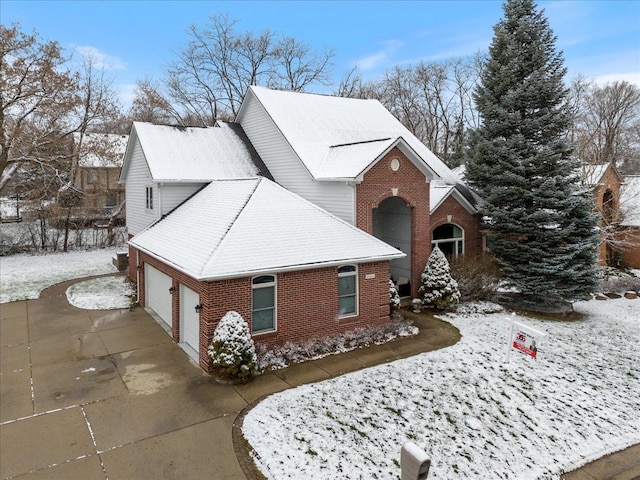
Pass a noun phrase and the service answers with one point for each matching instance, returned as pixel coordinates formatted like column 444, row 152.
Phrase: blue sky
column 599, row 38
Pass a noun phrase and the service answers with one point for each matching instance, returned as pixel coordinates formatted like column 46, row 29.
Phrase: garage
column 190, row 321
column 157, row 294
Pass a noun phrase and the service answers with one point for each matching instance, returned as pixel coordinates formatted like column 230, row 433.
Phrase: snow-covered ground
column 474, row 415
column 25, row 276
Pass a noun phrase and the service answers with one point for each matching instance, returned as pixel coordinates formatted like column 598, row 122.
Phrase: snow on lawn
column 25, row 276
column 475, row 416
column 108, row 293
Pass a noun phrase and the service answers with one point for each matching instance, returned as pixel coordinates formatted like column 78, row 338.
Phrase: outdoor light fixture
column 198, row 308
column 139, row 268
column 171, row 290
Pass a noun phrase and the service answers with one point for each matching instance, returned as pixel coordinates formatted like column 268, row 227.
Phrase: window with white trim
column 347, row 290
column 149, row 196
column 449, row 238
column 263, row 304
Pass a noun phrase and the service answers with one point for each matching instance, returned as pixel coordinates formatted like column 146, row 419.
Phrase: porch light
column 198, row 308
column 171, row 290
column 139, row 268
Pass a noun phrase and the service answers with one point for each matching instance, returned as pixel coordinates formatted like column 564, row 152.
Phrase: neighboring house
column 259, row 216
column 97, row 176
column 617, row 200
column 604, row 180
column 630, row 221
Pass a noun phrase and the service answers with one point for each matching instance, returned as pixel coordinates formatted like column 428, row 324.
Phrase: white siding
column 137, row 180
column 173, row 195
column 287, row 170
column 165, row 196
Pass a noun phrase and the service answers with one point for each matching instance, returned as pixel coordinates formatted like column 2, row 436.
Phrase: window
column 92, row 176
column 449, row 238
column 347, row 290
column 263, row 310
column 149, row 198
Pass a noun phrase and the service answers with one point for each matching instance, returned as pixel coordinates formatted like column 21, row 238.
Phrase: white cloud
column 101, row 60
column 380, row 58
column 631, row 77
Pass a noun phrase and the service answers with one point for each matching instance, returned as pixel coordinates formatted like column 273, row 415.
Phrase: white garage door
column 158, row 297
column 190, row 326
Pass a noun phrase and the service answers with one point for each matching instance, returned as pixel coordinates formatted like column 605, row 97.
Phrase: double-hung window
column 347, row 290
column 263, row 307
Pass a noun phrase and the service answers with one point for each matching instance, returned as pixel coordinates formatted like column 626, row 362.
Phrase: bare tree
column 607, row 123
column 38, row 93
column 212, row 73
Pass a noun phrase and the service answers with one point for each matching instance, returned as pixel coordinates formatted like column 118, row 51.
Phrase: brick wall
column 610, row 182
column 412, row 187
column 461, row 217
column 631, row 249
column 307, row 303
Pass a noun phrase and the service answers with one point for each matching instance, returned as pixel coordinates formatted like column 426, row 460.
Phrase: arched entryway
column 449, row 238
column 392, row 224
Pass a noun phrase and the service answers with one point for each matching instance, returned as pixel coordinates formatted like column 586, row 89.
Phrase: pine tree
column 542, row 233
column 438, row 288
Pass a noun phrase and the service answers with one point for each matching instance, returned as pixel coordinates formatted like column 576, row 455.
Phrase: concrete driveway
column 109, row 395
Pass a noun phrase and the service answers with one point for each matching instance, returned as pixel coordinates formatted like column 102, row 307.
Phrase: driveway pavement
column 109, row 395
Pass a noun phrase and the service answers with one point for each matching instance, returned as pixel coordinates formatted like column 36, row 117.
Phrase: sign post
column 524, row 339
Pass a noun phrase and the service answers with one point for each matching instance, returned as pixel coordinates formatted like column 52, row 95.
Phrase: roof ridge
column 217, row 248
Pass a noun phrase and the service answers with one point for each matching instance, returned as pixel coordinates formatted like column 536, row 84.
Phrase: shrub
column 394, row 296
column 438, row 288
column 478, row 276
column 232, row 350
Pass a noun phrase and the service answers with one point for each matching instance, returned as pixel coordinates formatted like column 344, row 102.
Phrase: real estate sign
column 523, row 339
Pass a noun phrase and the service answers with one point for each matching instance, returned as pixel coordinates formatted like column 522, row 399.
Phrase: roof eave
column 299, row 267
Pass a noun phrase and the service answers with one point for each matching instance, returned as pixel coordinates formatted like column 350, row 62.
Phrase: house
column 99, row 158
column 629, row 228
column 295, row 215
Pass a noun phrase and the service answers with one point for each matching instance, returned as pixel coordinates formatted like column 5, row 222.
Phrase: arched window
column 449, row 238
column 263, row 306
column 347, row 290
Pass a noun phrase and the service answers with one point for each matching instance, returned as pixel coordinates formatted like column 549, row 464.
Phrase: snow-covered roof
column 101, row 150
column 440, row 190
column 592, row 173
column 630, row 201
column 322, row 129
column 197, row 153
column 244, row 227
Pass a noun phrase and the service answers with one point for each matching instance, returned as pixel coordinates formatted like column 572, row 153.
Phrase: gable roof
column 592, row 174
column 340, row 138
column 246, row 227
column 630, row 201
column 194, row 154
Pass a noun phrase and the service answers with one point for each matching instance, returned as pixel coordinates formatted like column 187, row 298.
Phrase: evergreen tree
column 232, row 350
column 438, row 288
column 543, row 234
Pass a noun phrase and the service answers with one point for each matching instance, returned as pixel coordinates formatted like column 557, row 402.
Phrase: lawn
column 475, row 416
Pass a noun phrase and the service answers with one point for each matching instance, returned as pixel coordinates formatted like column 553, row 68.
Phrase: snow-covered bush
column 394, row 296
column 232, row 350
column 437, row 287
column 273, row 358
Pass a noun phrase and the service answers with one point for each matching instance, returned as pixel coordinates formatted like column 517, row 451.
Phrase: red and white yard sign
column 524, row 339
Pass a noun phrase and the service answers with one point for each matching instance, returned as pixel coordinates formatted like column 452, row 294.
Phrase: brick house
column 99, row 158
column 381, row 197
column 617, row 202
